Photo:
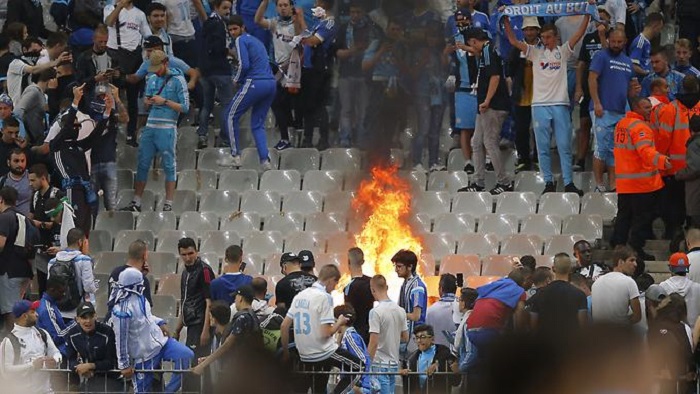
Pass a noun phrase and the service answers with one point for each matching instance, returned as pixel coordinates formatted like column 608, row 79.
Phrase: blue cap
column 23, row 306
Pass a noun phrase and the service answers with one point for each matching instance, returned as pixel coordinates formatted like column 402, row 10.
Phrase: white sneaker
column 419, row 168
column 267, row 165
column 601, row 189
column 437, row 167
column 229, row 161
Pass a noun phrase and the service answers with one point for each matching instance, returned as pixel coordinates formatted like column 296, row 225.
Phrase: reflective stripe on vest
column 678, row 125
column 638, row 175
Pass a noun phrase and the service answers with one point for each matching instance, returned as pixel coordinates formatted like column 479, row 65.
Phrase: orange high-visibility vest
column 672, row 133
column 637, row 163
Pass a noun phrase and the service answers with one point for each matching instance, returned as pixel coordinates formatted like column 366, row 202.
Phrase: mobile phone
column 460, row 280
column 243, row 266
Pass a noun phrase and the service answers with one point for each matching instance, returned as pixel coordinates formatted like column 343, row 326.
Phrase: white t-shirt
column 617, row 10
column 134, row 28
column 15, row 73
column 610, row 297
column 179, row 22
column 549, row 74
column 311, row 309
column 282, row 34
column 388, row 320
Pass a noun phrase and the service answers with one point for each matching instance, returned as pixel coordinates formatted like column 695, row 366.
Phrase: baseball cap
column 678, row 262
column 84, row 309
column 157, row 59
column 5, row 99
column 287, row 257
column 246, row 292
column 530, row 21
column 307, row 259
column 152, row 42
column 655, row 293
column 23, row 306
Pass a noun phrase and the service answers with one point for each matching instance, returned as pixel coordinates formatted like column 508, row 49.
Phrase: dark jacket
column 85, row 71
column 362, row 33
column 99, row 347
column 70, row 152
column 515, row 69
column 691, row 175
column 27, row 12
column 194, row 291
column 435, row 383
column 215, row 53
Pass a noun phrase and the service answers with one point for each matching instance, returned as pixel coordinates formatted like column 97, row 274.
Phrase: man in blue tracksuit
column 50, row 317
column 166, row 97
column 256, row 90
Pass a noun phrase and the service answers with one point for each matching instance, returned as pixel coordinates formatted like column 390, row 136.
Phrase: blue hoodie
column 175, row 89
column 51, row 320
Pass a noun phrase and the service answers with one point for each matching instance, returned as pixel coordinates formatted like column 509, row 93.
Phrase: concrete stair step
column 657, row 267
column 658, row 277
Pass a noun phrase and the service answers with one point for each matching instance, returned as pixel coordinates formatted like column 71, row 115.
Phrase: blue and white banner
column 551, row 10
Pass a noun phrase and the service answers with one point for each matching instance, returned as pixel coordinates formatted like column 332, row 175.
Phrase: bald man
column 692, row 242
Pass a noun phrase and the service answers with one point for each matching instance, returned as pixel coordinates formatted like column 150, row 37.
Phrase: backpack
column 17, row 347
column 65, row 270
column 25, row 239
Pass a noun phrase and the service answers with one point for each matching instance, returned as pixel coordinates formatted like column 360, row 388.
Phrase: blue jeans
column 255, row 94
column 545, row 120
column 387, row 383
column 173, row 351
column 354, row 94
column 212, row 86
column 104, row 176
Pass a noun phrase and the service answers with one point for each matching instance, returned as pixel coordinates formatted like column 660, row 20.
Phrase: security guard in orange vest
column 671, row 136
column 638, row 169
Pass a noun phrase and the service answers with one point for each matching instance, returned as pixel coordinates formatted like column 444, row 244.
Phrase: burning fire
column 384, row 205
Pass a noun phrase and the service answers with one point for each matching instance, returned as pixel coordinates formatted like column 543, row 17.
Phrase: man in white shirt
column 618, row 12
column 127, row 27
column 680, row 284
column 550, row 98
column 311, row 316
column 439, row 315
column 181, row 29
column 25, row 351
column 387, row 330
column 614, row 294
column 20, row 70
column 692, row 245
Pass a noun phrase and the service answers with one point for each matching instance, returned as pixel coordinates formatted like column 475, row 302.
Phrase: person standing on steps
column 256, row 90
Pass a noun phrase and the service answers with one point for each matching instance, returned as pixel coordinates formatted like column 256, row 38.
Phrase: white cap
column 530, row 21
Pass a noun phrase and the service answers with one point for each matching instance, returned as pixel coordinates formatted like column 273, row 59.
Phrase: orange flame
column 384, row 205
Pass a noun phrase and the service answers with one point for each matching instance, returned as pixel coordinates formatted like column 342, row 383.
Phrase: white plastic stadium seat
column 114, row 221
column 561, row 244
column 183, row 200
column 338, row 202
column 467, row 264
column 125, row 179
column 519, row 204
column 522, row 244
column 263, row 242
column 156, row 221
column 197, row 180
column 439, row 245
column 261, row 202
column 341, row 159
column 168, row 239
column 542, row 225
column 417, row 180
column 498, row 265
column 162, row 263
column 301, row 159
column 422, row 222
column 297, row 241
column 325, row 222
column 222, row 202
column 238, row 180
column 447, row 181
column 218, row 241
column 603, row 204
column 305, row 202
column 148, row 199
column 124, row 238
column 100, row 241
column 250, row 159
column 241, row 222
column 280, row 180
column 106, row 262
column 127, row 157
column 499, row 224
column 186, row 159
column 585, row 181
column 324, row 181
column 199, row 221
column 455, row 160
column 432, row 203
column 340, row 242
column 590, row 226
column 480, row 244
column 456, row 224
column 529, row 181
column 475, row 204
column 164, row 306
column 209, row 156
column 284, row 222
column 562, row 204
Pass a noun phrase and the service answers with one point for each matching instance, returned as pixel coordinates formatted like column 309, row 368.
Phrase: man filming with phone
column 94, row 66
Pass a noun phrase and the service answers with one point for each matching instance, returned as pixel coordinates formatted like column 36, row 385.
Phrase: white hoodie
column 689, row 290
column 22, row 376
column 84, row 276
